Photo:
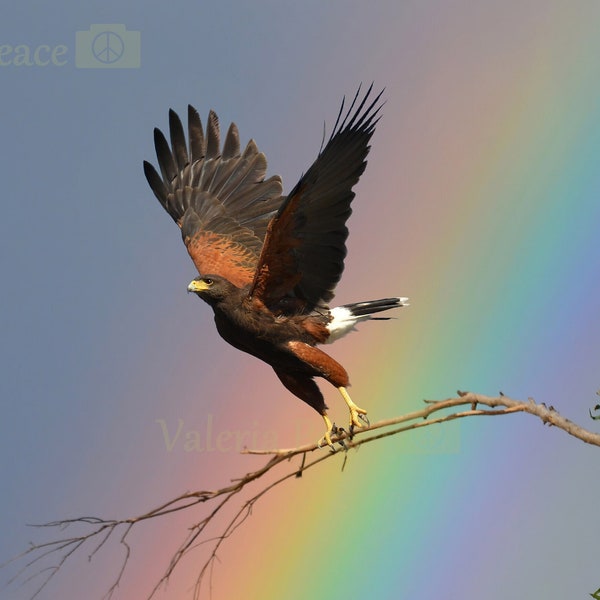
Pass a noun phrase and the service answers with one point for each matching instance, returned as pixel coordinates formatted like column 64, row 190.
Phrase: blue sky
column 96, row 324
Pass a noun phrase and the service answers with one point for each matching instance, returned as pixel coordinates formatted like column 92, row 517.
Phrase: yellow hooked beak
column 198, row 285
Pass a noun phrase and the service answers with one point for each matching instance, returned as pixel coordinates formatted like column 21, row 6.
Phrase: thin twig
column 466, row 404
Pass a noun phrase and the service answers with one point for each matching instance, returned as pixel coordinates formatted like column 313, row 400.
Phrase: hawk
column 268, row 264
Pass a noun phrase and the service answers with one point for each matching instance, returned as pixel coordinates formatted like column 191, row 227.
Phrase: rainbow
column 481, row 203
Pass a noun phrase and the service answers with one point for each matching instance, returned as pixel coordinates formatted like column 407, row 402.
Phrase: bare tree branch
column 101, row 530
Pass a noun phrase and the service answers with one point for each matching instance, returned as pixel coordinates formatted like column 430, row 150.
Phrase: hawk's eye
column 207, row 280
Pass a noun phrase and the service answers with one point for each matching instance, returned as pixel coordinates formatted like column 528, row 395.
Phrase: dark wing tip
column 213, row 136
column 231, row 147
column 360, row 119
column 196, row 134
column 178, row 143
column 167, row 165
column 310, row 231
column 156, row 183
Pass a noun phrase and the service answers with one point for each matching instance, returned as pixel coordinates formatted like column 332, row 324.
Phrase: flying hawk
column 268, row 264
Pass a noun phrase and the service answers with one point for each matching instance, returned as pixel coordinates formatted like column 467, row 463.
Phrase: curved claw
column 341, row 431
column 363, row 417
column 357, row 414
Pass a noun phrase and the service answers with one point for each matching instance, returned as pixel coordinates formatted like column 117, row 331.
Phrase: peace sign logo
column 108, row 47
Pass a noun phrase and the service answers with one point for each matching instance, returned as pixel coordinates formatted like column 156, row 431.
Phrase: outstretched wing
column 220, row 199
column 303, row 255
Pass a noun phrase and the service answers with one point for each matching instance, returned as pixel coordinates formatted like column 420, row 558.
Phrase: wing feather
column 305, row 245
column 231, row 147
column 196, row 135
column 178, row 144
column 220, row 199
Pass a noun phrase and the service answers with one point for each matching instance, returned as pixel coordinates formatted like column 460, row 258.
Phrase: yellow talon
column 357, row 419
column 355, row 411
column 329, row 430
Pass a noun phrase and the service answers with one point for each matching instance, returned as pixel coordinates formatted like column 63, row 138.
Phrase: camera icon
column 107, row 47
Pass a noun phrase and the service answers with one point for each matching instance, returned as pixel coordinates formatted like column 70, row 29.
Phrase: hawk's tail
column 344, row 318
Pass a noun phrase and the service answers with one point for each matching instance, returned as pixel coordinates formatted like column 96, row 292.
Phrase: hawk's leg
column 329, row 429
column 322, row 365
column 305, row 387
column 357, row 414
